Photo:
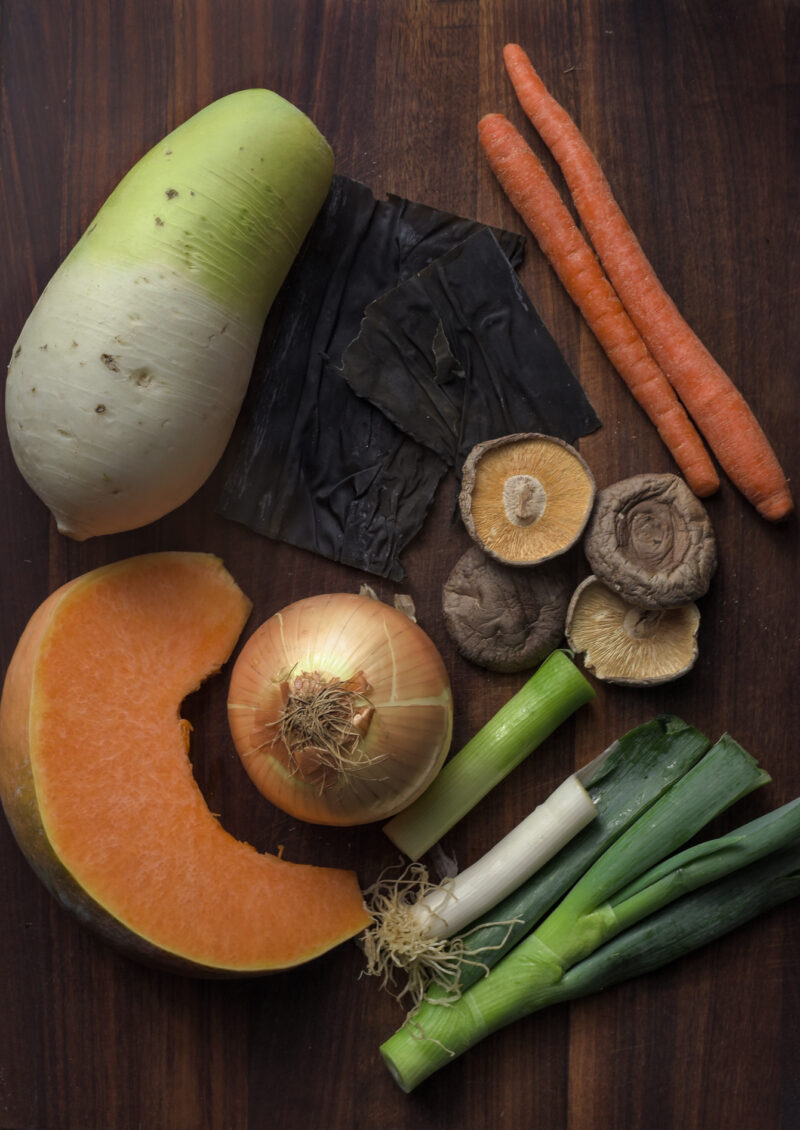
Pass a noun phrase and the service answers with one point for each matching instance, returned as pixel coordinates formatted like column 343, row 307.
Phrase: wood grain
column 692, row 109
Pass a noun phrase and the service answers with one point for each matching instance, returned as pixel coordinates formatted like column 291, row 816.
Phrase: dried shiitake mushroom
column 621, row 643
column 651, row 540
column 525, row 498
column 501, row 618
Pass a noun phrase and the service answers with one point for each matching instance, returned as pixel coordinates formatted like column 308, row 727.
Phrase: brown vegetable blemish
column 110, row 362
column 100, row 409
column 171, row 193
column 159, row 222
column 17, row 351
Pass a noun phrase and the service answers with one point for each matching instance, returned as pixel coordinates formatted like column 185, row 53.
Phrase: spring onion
column 614, row 893
column 546, row 700
column 509, row 863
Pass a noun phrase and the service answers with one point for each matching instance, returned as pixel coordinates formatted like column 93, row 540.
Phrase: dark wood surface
column 692, row 109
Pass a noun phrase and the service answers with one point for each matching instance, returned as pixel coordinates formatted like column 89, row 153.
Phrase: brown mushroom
column 621, row 643
column 525, row 498
column 501, row 618
column 651, row 540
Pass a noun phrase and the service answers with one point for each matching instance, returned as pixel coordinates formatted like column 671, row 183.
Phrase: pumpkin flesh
column 99, row 789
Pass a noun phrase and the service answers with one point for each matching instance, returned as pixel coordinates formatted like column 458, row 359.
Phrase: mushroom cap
column 525, row 498
column 651, row 540
column 501, row 618
column 625, row 644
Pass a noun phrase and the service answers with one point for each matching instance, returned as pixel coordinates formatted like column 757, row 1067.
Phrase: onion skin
column 342, row 635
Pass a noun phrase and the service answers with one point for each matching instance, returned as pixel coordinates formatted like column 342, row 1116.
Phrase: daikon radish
column 128, row 375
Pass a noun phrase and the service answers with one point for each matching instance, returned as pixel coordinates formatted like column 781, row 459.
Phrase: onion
column 340, row 709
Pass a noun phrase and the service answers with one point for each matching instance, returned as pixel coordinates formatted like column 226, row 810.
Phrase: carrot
column 535, row 197
column 716, row 405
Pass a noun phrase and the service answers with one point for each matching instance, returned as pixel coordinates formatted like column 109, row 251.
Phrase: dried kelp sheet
column 458, row 354
column 320, row 467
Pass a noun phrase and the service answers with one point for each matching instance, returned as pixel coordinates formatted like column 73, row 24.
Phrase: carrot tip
column 777, row 509
column 705, row 490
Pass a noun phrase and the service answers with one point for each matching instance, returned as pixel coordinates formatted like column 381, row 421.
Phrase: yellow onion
column 341, row 710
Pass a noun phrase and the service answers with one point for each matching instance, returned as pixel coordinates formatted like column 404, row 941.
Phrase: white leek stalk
column 451, row 907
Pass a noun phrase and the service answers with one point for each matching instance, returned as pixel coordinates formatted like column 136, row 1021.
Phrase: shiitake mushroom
column 629, row 645
column 525, row 498
column 650, row 540
column 503, row 618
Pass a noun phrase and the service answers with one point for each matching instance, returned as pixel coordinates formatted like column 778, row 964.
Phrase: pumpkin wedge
column 98, row 788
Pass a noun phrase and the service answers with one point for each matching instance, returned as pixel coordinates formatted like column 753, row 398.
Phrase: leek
column 664, row 936
column 546, row 700
column 615, row 892
column 494, row 902
column 412, row 918
column 686, row 925
column 513, row 860
column 637, row 769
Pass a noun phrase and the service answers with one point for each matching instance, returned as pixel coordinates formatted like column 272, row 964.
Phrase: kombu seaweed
column 458, row 354
column 319, row 466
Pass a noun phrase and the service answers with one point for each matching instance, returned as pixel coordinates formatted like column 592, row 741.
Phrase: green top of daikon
column 224, row 201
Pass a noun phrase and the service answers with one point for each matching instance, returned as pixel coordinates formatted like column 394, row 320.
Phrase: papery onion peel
column 341, row 710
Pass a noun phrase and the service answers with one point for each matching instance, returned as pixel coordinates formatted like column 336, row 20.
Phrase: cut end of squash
column 99, row 791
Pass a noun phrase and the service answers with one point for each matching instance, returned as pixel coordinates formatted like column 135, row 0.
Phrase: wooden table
column 692, row 110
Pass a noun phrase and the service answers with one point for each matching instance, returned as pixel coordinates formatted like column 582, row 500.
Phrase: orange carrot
column 712, row 400
column 536, row 198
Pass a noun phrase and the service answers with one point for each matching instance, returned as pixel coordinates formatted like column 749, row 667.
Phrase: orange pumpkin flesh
column 99, row 791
